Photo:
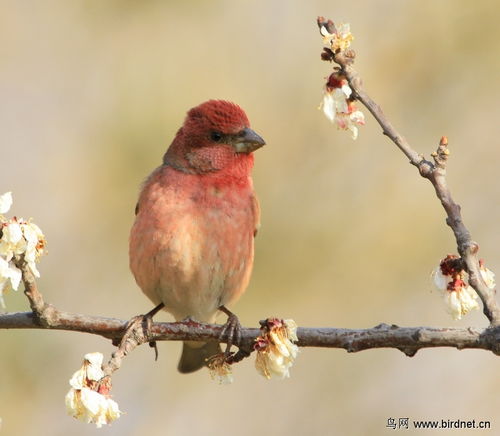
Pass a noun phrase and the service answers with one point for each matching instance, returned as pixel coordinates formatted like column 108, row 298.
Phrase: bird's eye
column 216, row 136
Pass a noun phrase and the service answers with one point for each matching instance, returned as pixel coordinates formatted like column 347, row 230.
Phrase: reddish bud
column 451, row 265
column 274, row 323
column 335, row 81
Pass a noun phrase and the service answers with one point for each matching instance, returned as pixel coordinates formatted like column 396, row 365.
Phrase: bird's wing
column 256, row 214
column 154, row 175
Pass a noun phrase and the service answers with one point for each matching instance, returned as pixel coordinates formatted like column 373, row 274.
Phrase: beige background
column 92, row 93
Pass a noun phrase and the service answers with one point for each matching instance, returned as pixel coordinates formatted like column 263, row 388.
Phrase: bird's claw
column 231, row 331
column 153, row 345
column 140, row 326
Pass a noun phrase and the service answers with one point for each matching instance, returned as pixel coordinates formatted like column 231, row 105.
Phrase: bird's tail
column 195, row 354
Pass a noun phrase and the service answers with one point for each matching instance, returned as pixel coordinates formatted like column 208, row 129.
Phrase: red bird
column 192, row 243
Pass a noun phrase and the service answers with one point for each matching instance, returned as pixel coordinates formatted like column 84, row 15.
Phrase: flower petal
column 5, row 202
column 12, row 232
column 328, row 106
column 488, row 277
column 15, row 276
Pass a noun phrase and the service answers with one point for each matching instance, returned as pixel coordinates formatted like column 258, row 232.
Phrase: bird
column 191, row 247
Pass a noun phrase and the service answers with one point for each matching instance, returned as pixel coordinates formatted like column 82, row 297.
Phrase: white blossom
column 20, row 241
column 459, row 297
column 276, row 351
column 338, row 108
column 88, row 400
column 339, row 40
column 91, row 407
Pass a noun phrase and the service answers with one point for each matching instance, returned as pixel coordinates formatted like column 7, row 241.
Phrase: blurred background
column 91, row 95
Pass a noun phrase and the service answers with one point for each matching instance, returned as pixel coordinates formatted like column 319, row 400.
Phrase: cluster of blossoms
column 89, row 399
column 276, row 351
column 338, row 104
column 20, row 240
column 451, row 280
column 338, row 107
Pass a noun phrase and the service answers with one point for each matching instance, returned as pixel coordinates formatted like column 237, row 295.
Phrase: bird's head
column 215, row 136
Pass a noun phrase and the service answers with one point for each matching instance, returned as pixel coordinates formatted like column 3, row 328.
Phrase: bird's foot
column 140, row 326
column 231, row 331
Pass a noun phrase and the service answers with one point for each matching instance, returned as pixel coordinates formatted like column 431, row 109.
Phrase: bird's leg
column 144, row 322
column 231, row 330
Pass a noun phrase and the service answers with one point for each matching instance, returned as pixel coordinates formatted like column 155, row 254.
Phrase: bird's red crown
column 222, row 115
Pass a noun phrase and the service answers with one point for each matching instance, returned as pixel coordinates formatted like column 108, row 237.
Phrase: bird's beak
column 247, row 141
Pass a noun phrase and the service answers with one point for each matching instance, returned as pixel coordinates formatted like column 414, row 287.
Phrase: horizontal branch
column 406, row 339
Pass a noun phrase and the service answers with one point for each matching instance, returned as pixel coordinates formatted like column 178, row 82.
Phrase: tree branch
column 434, row 172
column 406, row 339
